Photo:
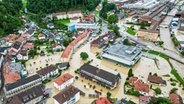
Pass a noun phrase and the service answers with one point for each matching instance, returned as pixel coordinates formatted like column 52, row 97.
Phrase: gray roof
column 123, row 51
column 63, row 65
column 22, row 82
column 100, row 73
column 16, row 67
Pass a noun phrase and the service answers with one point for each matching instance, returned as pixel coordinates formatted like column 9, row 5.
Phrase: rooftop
column 175, row 98
column 66, row 94
column 63, row 78
column 103, row 100
column 47, row 70
column 122, row 51
column 22, row 82
column 99, row 73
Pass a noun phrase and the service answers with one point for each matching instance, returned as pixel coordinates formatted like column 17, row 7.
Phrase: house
column 48, row 72
column 139, row 85
column 48, row 34
column 28, row 46
column 22, row 85
column 144, row 99
column 149, row 35
column 11, row 38
column 22, row 55
column 124, row 54
column 31, row 96
column 16, row 47
column 63, row 81
column 60, row 15
column 63, row 66
column 74, row 45
column 103, row 100
column 3, row 50
column 154, row 79
column 10, row 76
column 175, row 98
column 50, row 25
column 89, row 18
column 22, row 38
column 181, row 26
column 41, row 36
column 68, row 96
column 103, row 40
column 100, row 76
column 73, row 14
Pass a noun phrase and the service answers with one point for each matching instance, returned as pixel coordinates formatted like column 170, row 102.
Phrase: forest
column 9, row 16
column 50, row 6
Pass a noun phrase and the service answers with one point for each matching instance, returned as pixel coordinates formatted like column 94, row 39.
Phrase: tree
column 173, row 90
column 157, row 91
column 112, row 19
column 130, row 73
column 108, row 95
column 84, row 55
column 160, row 100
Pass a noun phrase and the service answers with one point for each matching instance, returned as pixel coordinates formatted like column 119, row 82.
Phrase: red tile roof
column 10, row 77
column 22, row 38
column 28, row 45
column 145, row 99
column 89, row 17
column 63, row 78
column 103, row 100
column 69, row 48
column 11, row 37
column 139, row 85
column 175, row 98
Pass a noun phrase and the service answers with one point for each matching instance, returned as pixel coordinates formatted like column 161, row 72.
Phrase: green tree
column 84, row 55
column 112, row 19
column 173, row 90
column 109, row 95
column 130, row 73
column 157, row 91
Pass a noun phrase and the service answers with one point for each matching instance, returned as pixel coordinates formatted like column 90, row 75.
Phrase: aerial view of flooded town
column 92, row 51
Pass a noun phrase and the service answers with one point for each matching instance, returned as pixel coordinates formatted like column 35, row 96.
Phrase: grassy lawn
column 63, row 21
column 131, row 30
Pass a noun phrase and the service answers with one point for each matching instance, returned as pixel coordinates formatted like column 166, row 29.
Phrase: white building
column 63, row 81
column 75, row 26
column 23, row 55
column 68, row 96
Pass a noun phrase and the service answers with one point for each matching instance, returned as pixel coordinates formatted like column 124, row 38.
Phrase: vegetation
column 177, row 76
column 63, row 21
column 131, row 30
column 173, row 90
column 160, row 100
column 157, row 91
column 112, row 19
column 115, row 29
column 127, row 42
column 106, row 7
column 133, row 92
column 50, row 6
column 175, row 41
column 130, row 73
column 9, row 16
column 84, row 55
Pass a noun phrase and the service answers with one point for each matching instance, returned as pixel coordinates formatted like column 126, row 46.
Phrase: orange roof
column 11, row 77
column 28, row 45
column 89, row 17
column 63, row 78
column 22, row 38
column 103, row 100
column 11, row 37
column 68, row 49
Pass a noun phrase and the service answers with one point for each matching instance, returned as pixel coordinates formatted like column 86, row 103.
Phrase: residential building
column 28, row 46
column 100, row 76
column 48, row 72
column 149, row 35
column 139, row 85
column 144, row 99
column 63, row 81
column 22, row 55
column 33, row 95
column 124, row 54
column 63, row 66
column 22, row 85
column 175, row 98
column 154, row 79
column 103, row 100
column 181, row 26
column 3, row 50
column 41, row 36
column 74, row 45
column 64, row 15
column 68, row 96
column 89, row 18
column 103, row 40
column 11, row 38
column 22, row 38
column 16, row 47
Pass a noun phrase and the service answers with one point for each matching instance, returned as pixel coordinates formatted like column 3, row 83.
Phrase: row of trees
column 50, row 6
column 9, row 16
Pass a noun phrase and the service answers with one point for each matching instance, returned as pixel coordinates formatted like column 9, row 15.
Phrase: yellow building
column 149, row 35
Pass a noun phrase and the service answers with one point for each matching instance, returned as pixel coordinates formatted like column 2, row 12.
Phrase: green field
column 63, row 21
